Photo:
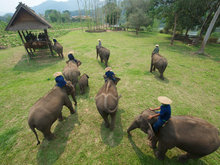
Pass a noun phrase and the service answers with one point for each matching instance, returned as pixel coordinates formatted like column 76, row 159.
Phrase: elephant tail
column 33, row 129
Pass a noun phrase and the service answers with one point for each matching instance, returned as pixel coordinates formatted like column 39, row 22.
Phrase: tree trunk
column 208, row 18
column 186, row 34
column 208, row 32
column 174, row 29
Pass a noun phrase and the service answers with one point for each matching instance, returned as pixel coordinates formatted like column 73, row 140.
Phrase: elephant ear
column 69, row 87
column 117, row 80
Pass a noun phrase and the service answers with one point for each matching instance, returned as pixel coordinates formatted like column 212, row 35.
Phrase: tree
column 137, row 13
column 208, row 32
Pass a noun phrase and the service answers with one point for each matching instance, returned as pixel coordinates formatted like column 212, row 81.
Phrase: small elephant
column 71, row 72
column 159, row 62
column 103, row 53
column 107, row 102
column 57, row 47
column 194, row 135
column 49, row 108
column 83, row 83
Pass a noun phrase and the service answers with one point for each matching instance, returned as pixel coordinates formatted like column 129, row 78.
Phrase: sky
column 8, row 6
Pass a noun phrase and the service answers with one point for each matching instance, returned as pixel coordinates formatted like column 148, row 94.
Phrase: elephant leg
column 106, row 63
column 185, row 157
column 47, row 134
column 113, row 117
column 153, row 142
column 133, row 126
column 154, row 68
column 151, row 66
column 105, row 117
column 60, row 117
column 161, row 75
column 162, row 149
column 101, row 59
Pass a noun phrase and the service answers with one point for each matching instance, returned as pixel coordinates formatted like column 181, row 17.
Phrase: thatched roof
column 25, row 18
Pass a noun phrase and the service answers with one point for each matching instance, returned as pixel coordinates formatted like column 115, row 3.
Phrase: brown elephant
column 71, row 72
column 58, row 48
column 49, row 108
column 83, row 83
column 191, row 134
column 159, row 62
column 103, row 53
column 107, row 102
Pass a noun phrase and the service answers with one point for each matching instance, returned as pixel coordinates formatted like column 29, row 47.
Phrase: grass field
column 191, row 81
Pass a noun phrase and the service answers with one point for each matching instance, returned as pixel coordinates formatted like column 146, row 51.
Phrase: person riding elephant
column 71, row 57
column 158, row 62
column 48, row 108
column 71, row 71
column 100, row 43
column 58, row 48
column 194, row 135
column 109, row 74
column 156, row 49
column 107, row 101
column 103, row 53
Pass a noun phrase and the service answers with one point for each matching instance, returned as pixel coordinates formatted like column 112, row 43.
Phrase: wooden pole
column 48, row 41
column 24, row 45
column 26, row 42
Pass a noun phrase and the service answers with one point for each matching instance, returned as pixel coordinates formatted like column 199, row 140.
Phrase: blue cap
column 54, row 40
column 60, row 81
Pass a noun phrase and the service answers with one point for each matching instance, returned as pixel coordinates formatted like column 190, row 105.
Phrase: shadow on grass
column 36, row 64
column 113, row 138
column 50, row 151
column 102, row 64
column 157, row 76
column 144, row 159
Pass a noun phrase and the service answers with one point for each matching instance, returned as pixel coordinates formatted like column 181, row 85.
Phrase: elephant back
column 71, row 72
column 107, row 97
column 191, row 134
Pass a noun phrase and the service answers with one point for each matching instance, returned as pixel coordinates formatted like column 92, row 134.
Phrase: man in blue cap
column 59, row 79
column 109, row 74
column 71, row 57
column 156, row 49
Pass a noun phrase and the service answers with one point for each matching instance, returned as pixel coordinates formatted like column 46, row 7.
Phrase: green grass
column 191, row 81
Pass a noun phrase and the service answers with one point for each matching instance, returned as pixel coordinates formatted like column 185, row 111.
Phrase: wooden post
column 26, row 42
column 24, row 45
column 48, row 41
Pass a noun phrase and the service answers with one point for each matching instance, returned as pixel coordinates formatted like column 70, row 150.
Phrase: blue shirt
column 71, row 57
column 100, row 44
column 156, row 50
column 165, row 112
column 110, row 75
column 60, row 81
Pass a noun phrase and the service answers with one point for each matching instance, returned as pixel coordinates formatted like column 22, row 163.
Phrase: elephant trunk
column 133, row 126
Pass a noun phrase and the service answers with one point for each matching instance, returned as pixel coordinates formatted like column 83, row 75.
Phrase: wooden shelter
column 25, row 19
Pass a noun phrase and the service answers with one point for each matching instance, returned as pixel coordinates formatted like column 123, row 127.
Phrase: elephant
column 49, row 108
column 71, row 72
column 107, row 102
column 103, row 53
column 159, row 62
column 58, row 48
column 83, row 83
column 194, row 135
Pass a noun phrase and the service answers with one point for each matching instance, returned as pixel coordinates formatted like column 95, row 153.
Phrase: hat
column 71, row 52
column 57, row 74
column 164, row 100
column 157, row 45
column 108, row 69
column 99, row 39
